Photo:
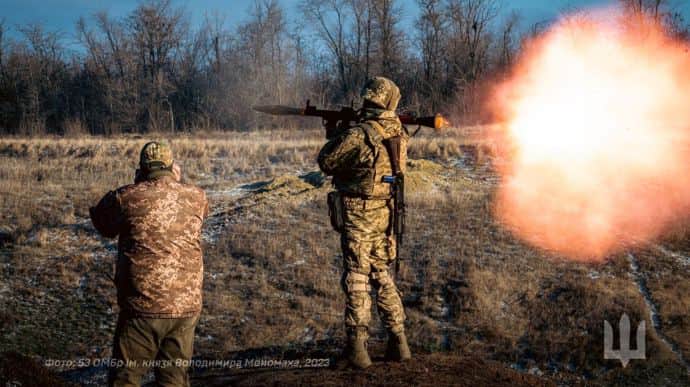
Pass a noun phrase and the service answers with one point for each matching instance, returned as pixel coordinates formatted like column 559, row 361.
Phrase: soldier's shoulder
column 125, row 189
column 367, row 129
column 192, row 189
column 357, row 131
column 131, row 192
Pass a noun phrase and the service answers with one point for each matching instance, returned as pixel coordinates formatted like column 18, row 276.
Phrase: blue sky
column 62, row 14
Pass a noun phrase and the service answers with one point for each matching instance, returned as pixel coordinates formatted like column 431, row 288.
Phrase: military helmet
column 156, row 155
column 381, row 92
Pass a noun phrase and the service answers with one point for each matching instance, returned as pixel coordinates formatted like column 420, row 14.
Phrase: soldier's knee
column 353, row 282
column 381, row 279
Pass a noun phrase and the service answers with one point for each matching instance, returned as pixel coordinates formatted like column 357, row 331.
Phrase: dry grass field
column 273, row 264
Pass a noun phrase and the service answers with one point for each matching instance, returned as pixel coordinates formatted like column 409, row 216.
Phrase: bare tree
column 362, row 35
column 508, row 41
column 389, row 45
column 150, row 70
column 431, row 27
column 652, row 8
column 640, row 15
column 329, row 18
column 112, row 83
column 43, row 100
column 157, row 31
column 470, row 40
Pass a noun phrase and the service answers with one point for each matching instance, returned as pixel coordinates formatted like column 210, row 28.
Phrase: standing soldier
column 159, row 269
column 358, row 159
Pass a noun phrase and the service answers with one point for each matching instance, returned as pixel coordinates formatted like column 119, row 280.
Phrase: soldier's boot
column 357, row 355
column 397, row 349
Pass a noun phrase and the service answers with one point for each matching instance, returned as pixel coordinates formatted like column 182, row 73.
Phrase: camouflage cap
column 382, row 92
column 156, row 154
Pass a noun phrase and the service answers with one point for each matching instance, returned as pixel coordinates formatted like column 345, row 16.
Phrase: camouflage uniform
column 357, row 159
column 159, row 268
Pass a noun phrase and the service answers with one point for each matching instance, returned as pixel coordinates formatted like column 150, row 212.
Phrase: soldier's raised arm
column 106, row 216
column 341, row 152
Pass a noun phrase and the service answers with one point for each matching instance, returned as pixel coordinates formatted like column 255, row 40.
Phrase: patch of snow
column 229, row 193
column 536, row 371
column 445, row 311
column 308, row 335
column 641, row 283
column 296, row 263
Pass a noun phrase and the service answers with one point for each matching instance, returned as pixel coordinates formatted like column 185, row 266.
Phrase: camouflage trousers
column 158, row 343
column 368, row 252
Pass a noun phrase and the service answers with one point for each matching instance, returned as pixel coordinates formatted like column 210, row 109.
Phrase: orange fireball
column 597, row 119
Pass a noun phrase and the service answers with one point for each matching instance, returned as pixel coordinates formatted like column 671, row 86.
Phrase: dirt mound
column 422, row 174
column 424, row 370
column 424, row 167
column 286, row 185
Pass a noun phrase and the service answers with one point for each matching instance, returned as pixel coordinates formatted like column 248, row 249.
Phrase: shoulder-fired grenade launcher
column 331, row 118
column 348, row 114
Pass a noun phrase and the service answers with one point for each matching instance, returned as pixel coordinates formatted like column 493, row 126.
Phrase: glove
column 333, row 129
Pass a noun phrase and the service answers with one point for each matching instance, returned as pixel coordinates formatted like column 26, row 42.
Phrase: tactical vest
column 364, row 180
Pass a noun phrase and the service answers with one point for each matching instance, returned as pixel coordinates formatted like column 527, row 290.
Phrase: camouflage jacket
column 159, row 269
column 357, row 158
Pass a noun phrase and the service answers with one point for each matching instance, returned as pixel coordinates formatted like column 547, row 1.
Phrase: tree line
column 151, row 70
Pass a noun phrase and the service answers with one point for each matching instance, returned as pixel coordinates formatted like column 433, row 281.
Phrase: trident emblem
column 624, row 354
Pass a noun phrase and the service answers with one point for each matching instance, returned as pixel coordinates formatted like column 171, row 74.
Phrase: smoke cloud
column 596, row 120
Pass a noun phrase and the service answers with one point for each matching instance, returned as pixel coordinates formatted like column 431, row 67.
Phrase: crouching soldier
column 159, row 269
column 360, row 208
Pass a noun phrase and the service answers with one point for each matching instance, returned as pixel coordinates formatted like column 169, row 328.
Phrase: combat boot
column 397, row 349
column 357, row 355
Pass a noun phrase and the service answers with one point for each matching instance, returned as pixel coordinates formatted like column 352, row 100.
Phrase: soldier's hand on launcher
column 332, row 128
